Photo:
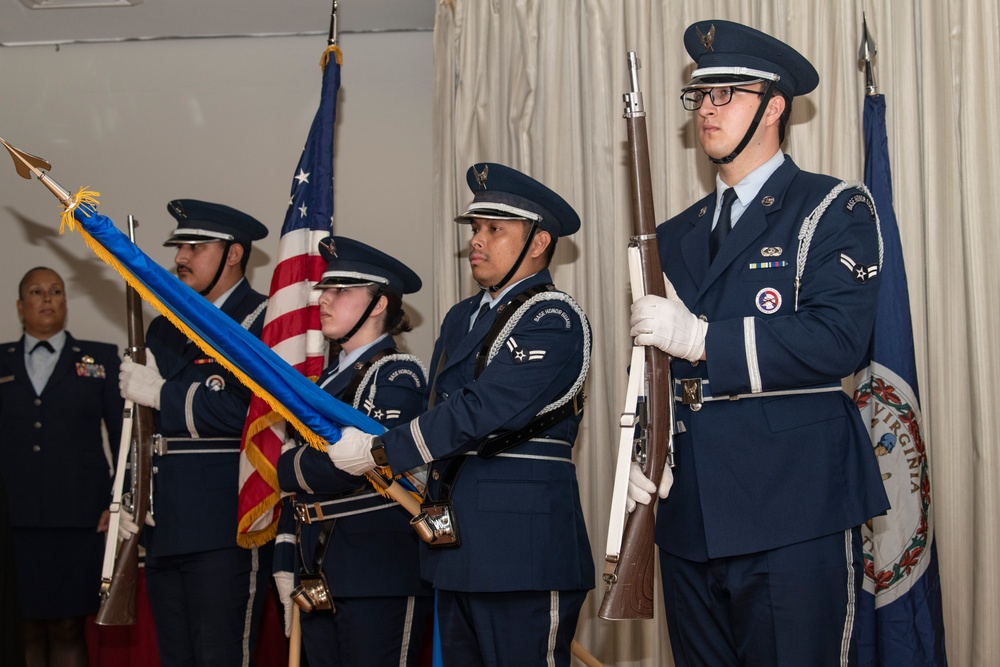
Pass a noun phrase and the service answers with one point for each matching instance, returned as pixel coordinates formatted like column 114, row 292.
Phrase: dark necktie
column 725, row 223
column 43, row 345
column 483, row 309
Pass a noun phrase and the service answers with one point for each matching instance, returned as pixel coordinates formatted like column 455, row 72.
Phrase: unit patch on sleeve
column 860, row 272
column 860, row 199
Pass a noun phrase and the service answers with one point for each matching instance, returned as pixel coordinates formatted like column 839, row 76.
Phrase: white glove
column 285, row 582
column 127, row 527
column 353, row 452
column 641, row 488
column 141, row 384
column 668, row 325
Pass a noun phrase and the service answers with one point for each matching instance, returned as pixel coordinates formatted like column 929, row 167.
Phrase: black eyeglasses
column 720, row 96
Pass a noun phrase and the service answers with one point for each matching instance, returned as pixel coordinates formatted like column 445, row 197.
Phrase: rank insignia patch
column 521, row 355
column 768, row 300
column 380, row 414
column 861, row 273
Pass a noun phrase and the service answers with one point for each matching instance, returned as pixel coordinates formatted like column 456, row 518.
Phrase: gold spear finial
column 866, row 56
column 28, row 164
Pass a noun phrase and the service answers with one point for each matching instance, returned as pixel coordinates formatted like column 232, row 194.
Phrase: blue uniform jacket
column 195, row 495
column 375, row 551
column 518, row 513
column 767, row 471
column 51, row 446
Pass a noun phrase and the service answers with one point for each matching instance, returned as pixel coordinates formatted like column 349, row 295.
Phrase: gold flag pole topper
column 28, row 164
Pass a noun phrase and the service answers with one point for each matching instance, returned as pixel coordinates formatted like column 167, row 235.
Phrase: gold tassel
column 325, row 58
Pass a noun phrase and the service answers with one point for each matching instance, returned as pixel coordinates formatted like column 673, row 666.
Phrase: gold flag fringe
column 109, row 259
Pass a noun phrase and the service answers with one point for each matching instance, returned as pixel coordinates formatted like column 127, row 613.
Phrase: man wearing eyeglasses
column 772, row 287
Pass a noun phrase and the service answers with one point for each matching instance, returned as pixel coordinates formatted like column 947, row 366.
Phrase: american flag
column 291, row 325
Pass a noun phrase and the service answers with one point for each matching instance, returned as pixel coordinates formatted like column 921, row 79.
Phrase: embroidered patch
column 89, row 369
column 860, row 272
column 860, row 198
column 406, row 372
column 521, row 355
column 768, row 300
column 215, row 383
column 558, row 312
column 768, row 265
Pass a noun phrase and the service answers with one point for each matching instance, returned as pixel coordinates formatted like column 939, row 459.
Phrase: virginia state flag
column 899, row 616
column 291, row 325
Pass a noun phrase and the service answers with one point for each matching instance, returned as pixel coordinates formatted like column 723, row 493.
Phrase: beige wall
column 217, row 119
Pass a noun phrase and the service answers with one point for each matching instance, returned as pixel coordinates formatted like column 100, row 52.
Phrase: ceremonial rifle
column 118, row 591
column 647, row 423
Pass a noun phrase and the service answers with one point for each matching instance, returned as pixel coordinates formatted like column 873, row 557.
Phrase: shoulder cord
column 808, row 228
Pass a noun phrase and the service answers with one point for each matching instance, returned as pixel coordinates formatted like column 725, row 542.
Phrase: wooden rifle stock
column 118, row 599
column 629, row 593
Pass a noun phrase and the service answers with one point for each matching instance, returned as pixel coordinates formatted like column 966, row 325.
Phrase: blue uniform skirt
column 58, row 571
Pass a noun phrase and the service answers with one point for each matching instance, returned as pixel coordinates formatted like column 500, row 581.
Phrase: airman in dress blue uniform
column 206, row 592
column 508, row 370
column 774, row 279
column 55, row 392
column 360, row 542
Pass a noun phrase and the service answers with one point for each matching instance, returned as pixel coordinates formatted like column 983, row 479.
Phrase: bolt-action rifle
column 647, row 423
column 121, row 558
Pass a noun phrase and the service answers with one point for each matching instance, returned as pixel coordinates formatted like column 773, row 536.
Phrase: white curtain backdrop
column 537, row 84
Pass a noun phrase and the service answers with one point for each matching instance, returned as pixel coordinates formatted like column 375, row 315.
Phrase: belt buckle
column 159, row 445
column 691, row 393
column 301, row 512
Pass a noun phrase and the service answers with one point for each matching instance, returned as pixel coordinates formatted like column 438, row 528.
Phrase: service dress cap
column 728, row 53
column 504, row 193
column 350, row 262
column 202, row 222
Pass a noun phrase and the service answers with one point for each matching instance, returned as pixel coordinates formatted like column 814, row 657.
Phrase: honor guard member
column 508, row 370
column 357, row 561
column 772, row 297
column 55, row 393
column 206, row 592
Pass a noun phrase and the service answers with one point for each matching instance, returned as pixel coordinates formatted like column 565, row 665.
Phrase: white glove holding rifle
column 127, row 527
column 641, row 488
column 666, row 323
column 141, row 384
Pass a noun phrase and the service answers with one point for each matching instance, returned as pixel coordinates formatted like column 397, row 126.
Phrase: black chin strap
column 517, row 264
column 218, row 273
column 765, row 98
column 364, row 316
